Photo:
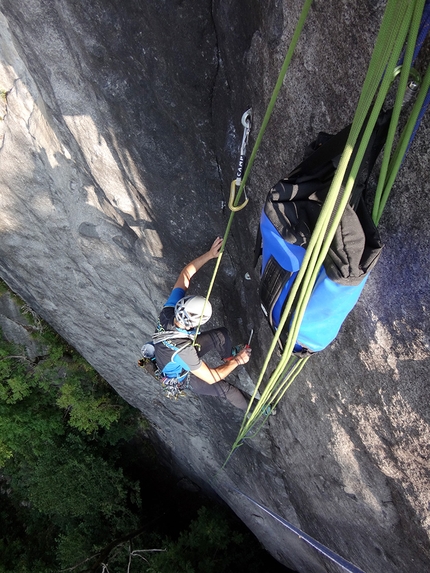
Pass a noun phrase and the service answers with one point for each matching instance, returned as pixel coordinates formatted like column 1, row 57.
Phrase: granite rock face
column 119, row 135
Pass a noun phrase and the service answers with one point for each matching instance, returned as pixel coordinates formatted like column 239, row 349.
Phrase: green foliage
column 29, row 426
column 63, row 494
column 211, row 544
column 69, row 498
column 5, row 453
column 73, row 547
column 72, row 481
column 89, row 411
column 25, row 537
column 13, row 369
column 204, row 548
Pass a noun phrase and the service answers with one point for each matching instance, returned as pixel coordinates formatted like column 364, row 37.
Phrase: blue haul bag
column 288, row 219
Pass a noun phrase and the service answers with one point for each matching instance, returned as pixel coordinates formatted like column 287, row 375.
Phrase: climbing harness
column 173, row 386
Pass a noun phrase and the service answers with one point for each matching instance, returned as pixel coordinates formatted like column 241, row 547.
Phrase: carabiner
column 231, row 204
column 246, row 122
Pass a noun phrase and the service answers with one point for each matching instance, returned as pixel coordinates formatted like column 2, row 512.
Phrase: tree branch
column 102, row 555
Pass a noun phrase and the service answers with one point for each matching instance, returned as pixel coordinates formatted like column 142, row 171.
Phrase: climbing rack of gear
column 173, row 388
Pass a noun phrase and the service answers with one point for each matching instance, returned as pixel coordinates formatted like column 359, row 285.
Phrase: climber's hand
column 216, row 247
column 243, row 356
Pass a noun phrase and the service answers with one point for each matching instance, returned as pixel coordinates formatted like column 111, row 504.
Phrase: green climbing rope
column 386, row 176
column 394, row 28
column 398, row 155
column 259, row 138
column 401, row 20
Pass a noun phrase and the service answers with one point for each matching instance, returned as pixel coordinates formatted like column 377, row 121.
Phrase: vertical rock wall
column 119, row 136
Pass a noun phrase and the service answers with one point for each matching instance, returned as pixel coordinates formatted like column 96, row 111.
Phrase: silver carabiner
column 246, row 122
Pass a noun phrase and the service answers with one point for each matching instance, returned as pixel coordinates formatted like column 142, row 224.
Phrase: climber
column 178, row 356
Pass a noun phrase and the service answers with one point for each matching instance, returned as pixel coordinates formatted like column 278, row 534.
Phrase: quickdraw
column 246, row 122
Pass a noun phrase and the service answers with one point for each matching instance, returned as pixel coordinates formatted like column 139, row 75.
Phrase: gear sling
column 173, row 385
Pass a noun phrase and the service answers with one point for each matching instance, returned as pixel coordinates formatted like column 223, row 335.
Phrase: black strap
column 258, row 246
column 328, row 151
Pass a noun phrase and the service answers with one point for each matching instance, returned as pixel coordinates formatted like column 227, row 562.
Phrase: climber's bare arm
column 213, row 375
column 183, row 280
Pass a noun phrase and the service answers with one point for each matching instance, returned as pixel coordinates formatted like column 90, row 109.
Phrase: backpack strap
column 327, row 149
column 167, row 341
column 258, row 249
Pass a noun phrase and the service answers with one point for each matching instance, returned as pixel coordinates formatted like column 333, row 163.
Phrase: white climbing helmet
column 189, row 309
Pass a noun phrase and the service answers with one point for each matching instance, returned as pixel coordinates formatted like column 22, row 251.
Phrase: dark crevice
column 212, row 98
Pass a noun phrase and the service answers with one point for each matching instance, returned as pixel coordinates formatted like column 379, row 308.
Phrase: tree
column 71, row 484
column 63, row 492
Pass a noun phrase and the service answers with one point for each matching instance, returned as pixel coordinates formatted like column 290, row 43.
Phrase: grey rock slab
column 119, row 136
